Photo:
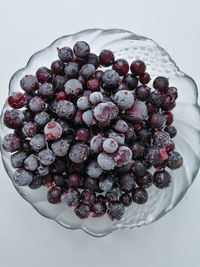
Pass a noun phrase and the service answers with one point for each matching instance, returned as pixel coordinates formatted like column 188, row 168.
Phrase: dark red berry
column 93, row 84
column 140, row 195
column 161, row 83
column 106, row 58
column 54, row 195
column 138, row 67
column 121, row 67
column 61, row 96
column 17, row 100
column 57, row 67
column 161, row 179
column 144, row 78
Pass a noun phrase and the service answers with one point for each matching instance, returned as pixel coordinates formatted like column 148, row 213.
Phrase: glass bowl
column 130, row 46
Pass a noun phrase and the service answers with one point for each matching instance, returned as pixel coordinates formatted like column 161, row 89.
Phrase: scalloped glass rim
column 187, row 117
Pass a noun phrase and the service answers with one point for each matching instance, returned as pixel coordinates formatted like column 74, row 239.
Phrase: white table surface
column 28, row 239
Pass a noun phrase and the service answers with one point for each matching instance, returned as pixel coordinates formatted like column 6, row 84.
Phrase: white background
column 28, row 239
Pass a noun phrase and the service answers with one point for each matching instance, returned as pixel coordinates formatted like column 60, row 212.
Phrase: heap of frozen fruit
column 91, row 136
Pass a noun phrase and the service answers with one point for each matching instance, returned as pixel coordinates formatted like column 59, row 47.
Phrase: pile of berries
column 91, row 136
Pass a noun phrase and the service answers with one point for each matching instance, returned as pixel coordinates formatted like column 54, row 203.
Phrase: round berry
column 138, row 67
column 65, row 54
column 161, row 179
column 29, row 84
column 43, row 75
column 124, row 99
column 81, row 49
column 110, row 145
column 57, row 67
column 161, row 83
column 140, row 195
column 17, row 100
column 73, row 87
column 36, row 104
column 121, row 67
column 52, row 130
column 144, row 78
column 22, row 177
column 106, row 58
column 13, row 118
column 131, row 81
column 54, row 195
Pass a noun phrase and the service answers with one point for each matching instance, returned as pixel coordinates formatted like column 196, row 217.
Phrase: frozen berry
column 52, row 130
column 161, row 179
column 121, row 67
column 106, row 57
column 54, row 195
column 22, row 177
column 17, row 100
column 140, row 195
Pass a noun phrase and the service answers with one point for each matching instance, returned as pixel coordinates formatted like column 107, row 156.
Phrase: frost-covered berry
column 93, row 169
column 110, row 145
column 52, row 131
column 22, row 177
column 106, row 161
column 124, row 99
column 83, row 103
column 60, row 147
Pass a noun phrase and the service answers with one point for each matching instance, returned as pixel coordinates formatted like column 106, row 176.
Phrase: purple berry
column 65, row 54
column 161, row 83
column 52, row 131
column 161, row 179
column 46, row 157
column 123, row 156
column 43, row 75
column 60, row 147
column 17, row 159
column 106, row 161
column 87, row 70
column 145, row 181
column 110, row 79
column 17, row 100
column 138, row 67
column 29, row 84
column 73, row 87
column 121, row 67
column 37, row 143
column 22, row 177
column 175, row 160
column 65, row 109
column 115, row 210
column 81, row 49
column 131, row 81
column 78, row 153
column 29, row 129
column 124, row 99
column 106, row 58
column 46, row 90
column 71, row 70
column 31, row 163
column 110, row 145
column 140, row 195
column 127, row 182
column 13, row 118
column 98, row 208
column 82, row 211
column 54, row 195
column 36, row 104
column 93, row 169
column 70, row 197
column 142, row 92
